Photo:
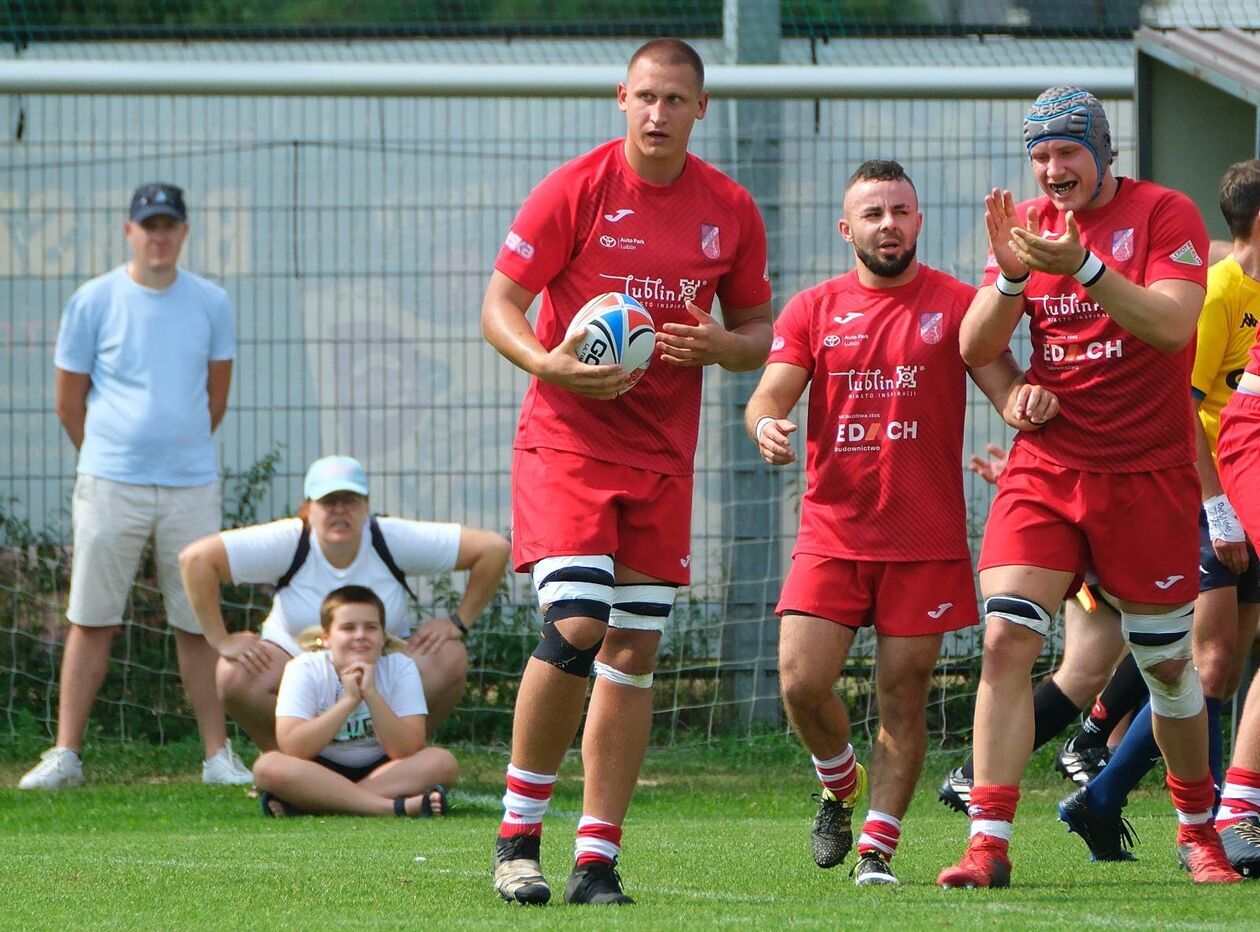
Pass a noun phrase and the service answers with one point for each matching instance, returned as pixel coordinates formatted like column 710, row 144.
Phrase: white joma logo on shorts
column 685, row 561
column 1171, row 580
column 941, row 609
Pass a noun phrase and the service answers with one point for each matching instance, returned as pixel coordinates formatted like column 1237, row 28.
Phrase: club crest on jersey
column 1122, row 245
column 932, row 326
column 709, row 243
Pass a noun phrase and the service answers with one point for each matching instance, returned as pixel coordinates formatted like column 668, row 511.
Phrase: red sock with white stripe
column 880, row 834
column 1240, row 799
column 1193, row 800
column 597, row 841
column 839, row 774
column 525, row 802
column 992, row 811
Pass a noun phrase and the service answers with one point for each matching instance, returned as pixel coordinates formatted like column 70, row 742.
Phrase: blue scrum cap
column 1072, row 113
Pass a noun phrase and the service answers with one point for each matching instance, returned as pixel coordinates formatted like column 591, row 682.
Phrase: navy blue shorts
column 353, row 774
column 1214, row 575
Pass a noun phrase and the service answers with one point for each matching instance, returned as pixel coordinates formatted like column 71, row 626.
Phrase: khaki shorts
column 112, row 523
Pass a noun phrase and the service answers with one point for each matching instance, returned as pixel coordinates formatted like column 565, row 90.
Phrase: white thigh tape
column 642, row 607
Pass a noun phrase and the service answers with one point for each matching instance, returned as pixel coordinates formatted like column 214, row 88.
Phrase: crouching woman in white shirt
column 350, row 724
column 335, row 542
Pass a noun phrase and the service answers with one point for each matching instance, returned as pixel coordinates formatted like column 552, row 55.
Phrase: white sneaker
column 57, row 767
column 225, row 769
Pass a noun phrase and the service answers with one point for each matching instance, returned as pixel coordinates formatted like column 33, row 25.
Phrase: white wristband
column 1011, row 287
column 761, row 425
column 1222, row 520
column 1090, row 271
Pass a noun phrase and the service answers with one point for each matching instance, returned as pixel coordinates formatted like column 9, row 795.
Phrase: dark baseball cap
column 158, row 199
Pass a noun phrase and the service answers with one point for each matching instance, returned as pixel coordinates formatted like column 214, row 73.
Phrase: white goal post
column 490, row 80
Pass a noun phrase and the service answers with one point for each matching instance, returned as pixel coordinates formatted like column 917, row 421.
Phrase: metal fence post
column 751, row 489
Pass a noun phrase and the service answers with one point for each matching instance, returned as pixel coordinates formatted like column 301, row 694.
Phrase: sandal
column 265, row 799
column 426, row 803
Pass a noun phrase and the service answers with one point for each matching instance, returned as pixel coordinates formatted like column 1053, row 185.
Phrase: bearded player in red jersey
column 883, row 536
column 1110, row 272
column 601, row 481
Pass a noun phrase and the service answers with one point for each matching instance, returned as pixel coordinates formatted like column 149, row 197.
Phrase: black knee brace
column 554, row 648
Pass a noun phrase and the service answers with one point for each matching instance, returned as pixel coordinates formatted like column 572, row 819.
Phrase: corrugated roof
column 1228, row 59
column 1203, row 14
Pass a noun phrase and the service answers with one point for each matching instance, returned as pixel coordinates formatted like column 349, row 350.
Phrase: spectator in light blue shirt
column 144, row 361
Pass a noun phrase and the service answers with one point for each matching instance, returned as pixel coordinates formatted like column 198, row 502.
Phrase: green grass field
column 716, row 837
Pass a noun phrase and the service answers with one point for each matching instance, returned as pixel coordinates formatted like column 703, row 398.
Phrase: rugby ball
column 619, row 330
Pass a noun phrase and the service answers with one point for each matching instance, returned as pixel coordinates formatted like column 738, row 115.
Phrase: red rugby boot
column 985, row 864
column 1199, row 851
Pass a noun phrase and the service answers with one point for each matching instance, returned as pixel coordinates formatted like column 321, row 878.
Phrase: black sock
column 1052, row 712
column 1125, row 693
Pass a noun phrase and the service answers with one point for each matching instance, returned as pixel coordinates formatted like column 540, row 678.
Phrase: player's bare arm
column 741, row 345
column 765, row 416
column 72, row 392
column 993, row 315
column 506, row 328
column 218, row 384
column 1164, row 314
column 1022, row 406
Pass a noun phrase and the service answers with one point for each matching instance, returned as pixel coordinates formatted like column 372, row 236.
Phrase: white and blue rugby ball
column 619, row 330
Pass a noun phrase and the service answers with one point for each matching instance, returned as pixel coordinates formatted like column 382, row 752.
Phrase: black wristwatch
column 457, row 622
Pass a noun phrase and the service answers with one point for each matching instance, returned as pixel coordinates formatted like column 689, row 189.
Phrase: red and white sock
column 1193, row 800
column 880, row 834
column 596, row 841
column 992, row 812
column 1240, row 799
column 525, row 802
column 839, row 774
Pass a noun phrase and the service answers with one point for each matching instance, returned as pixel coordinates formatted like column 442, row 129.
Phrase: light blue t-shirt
column 148, row 352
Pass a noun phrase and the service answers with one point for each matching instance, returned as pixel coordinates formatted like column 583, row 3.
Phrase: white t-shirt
column 310, row 686
column 263, row 553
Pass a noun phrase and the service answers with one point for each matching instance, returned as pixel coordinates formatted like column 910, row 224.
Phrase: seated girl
column 350, row 725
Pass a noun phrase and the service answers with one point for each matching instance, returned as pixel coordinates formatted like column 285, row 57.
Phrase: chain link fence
column 355, row 235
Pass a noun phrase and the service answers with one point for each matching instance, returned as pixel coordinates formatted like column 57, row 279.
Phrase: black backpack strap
column 299, row 557
column 382, row 551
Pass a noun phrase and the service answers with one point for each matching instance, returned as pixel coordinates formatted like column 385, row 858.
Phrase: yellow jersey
column 1227, row 330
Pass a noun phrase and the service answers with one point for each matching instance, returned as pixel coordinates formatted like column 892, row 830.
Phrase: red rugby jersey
column 592, row 226
column 883, row 441
column 1125, row 406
